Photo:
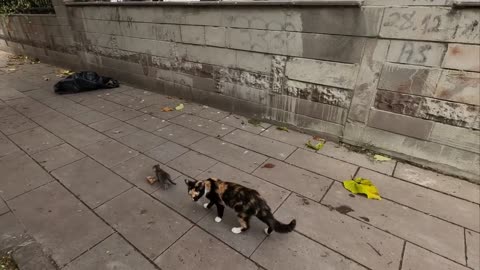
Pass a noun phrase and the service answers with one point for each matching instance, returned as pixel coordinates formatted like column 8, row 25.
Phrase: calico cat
column 245, row 201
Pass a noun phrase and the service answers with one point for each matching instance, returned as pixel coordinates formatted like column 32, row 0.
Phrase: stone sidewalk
column 73, row 174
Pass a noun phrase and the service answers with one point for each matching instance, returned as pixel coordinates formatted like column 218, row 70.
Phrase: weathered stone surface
column 193, row 34
column 328, row 227
column 462, row 138
column 141, row 140
column 320, row 72
column 90, row 117
column 437, row 235
column 278, row 71
column 120, row 130
column 318, row 93
column 459, row 86
column 179, row 134
column 418, row 258
column 107, row 124
column 291, row 137
column 125, row 114
column 14, row 123
column 406, row 2
column 241, row 122
column 138, row 217
column 148, row 122
column 202, row 125
column 401, row 124
column 58, row 156
column 463, row 57
column 215, row 36
column 194, row 250
column 48, row 210
column 80, row 135
column 473, row 249
column 192, row 163
column 211, row 55
column 409, row 79
column 35, row 140
column 252, row 61
column 6, row 146
column 109, row 152
column 416, row 53
column 257, row 40
column 166, row 152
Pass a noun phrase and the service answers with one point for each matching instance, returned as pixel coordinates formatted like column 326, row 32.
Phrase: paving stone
column 179, row 134
column 231, row 154
column 109, row 152
column 146, row 223
column 6, row 110
column 35, row 140
column 136, row 170
column 422, row 229
column 141, row 140
column 13, row 233
column 104, row 106
column 323, row 165
column 260, row 144
column 194, row 251
column 57, row 156
column 120, row 131
column 473, row 249
column 302, row 253
column 241, row 122
column 57, row 102
column 28, row 107
column 166, row 152
column 457, row 211
column 29, row 256
column 90, row 181
column 7, row 146
column 202, row 125
column 418, row 258
column 125, row 114
column 340, row 152
column 3, row 208
column 73, row 109
column 20, row 174
column 291, row 137
column 148, row 122
column 213, row 114
column 55, row 122
column 113, row 252
column 107, row 124
column 329, row 227
column 274, row 195
column 10, row 93
column 90, row 117
column 11, row 124
column 156, row 110
column 303, row 182
column 80, row 135
column 40, row 94
column 192, row 163
column 439, row 182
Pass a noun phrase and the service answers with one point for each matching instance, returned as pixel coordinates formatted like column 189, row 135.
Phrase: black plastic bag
column 84, row 81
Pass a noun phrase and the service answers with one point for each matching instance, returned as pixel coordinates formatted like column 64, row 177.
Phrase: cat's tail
column 279, row 227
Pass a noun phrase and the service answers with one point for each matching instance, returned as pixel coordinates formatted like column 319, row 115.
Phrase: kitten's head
column 196, row 189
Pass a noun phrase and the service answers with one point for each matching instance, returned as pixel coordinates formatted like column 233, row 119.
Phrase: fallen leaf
column 282, row 129
column 65, row 72
column 254, row 122
column 167, row 109
column 179, row 107
column 381, row 158
column 268, row 165
column 317, row 146
column 362, row 186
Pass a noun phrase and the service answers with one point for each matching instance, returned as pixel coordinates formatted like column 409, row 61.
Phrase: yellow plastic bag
column 362, row 186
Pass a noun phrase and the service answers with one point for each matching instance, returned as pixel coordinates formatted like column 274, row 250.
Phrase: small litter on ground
column 315, row 146
column 167, row 109
column 179, row 107
column 282, row 129
column 381, row 158
column 362, row 186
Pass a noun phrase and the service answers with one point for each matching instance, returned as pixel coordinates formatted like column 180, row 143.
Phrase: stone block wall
column 401, row 77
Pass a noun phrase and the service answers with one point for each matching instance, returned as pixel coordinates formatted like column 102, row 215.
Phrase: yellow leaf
column 381, row 158
column 283, row 128
column 362, row 186
column 179, row 107
column 317, row 146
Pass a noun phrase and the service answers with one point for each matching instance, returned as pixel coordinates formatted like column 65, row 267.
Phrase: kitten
column 162, row 176
column 245, row 201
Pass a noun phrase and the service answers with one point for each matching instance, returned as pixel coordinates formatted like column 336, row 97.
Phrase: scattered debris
column 282, row 129
column 64, row 73
column 167, row 109
column 179, row 107
column 362, row 186
column 254, row 122
column 46, row 78
column 305, row 201
column 381, row 158
column 7, row 262
column 378, row 252
column 151, row 179
column 365, row 219
column 268, row 165
column 317, row 146
column 344, row 209
column 318, row 138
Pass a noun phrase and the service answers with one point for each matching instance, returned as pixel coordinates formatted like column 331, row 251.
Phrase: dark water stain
column 365, row 218
column 344, row 209
column 351, row 195
column 143, row 211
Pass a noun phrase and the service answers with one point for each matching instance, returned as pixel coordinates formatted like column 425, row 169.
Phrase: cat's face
column 196, row 189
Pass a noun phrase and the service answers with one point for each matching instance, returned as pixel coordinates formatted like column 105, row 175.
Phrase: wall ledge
column 357, row 3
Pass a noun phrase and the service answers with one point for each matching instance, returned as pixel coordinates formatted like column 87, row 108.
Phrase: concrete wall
column 399, row 76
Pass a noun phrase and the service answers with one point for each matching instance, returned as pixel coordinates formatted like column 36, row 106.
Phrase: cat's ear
column 190, row 182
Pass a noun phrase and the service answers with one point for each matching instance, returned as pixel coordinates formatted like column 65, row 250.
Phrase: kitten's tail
column 170, row 180
column 280, row 227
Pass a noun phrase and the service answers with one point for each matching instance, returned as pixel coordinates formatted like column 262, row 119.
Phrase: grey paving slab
column 241, row 122
column 229, row 153
column 179, row 134
column 109, row 152
column 3, row 207
column 212, row 114
column 128, row 101
column 334, row 150
column 106, row 124
column 192, row 163
column 260, row 144
column 40, row 94
column 144, row 222
column 35, row 140
column 136, row 170
column 28, row 107
column 473, row 249
column 202, row 125
column 73, row 109
column 141, row 140
column 302, row 253
column 125, row 114
column 20, row 174
column 59, row 222
column 418, row 258
column 148, row 122
column 57, row 102
column 112, row 253
column 195, row 251
column 156, row 110
column 29, row 256
column 7, row 146
column 9, row 93
column 368, row 246
column 422, row 229
column 274, row 195
column 56, row 122
column 80, row 135
column 90, row 117
column 104, row 106
column 323, row 165
column 440, row 182
column 14, row 123
column 455, row 210
column 57, row 156
column 120, row 131
column 291, row 137
column 11, row 231
column 90, row 181
column 166, row 152
column 300, row 181
column 6, row 110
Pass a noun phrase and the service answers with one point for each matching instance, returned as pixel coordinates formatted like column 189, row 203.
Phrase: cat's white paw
column 237, row 230
column 218, row 219
column 266, row 231
column 205, row 205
